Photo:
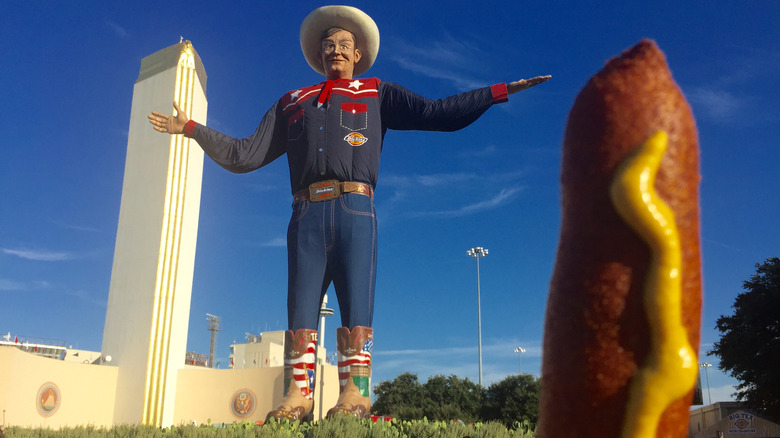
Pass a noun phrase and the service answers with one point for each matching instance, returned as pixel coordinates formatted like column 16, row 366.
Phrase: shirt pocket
column 354, row 116
column 295, row 125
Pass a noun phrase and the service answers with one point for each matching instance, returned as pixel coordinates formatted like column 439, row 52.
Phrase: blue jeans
column 332, row 241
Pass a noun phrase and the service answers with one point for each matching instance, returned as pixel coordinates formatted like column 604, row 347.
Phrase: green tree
column 439, row 399
column 452, row 398
column 400, row 398
column 516, row 398
column 749, row 347
column 445, row 398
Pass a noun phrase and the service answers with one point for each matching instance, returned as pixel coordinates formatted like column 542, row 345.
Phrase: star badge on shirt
column 294, row 94
column 355, row 84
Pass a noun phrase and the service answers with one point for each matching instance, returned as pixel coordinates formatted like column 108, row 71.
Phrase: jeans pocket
column 356, row 204
column 300, row 208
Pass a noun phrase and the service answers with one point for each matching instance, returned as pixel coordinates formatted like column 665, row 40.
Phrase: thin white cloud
column 503, row 348
column 447, row 50
column 43, row 256
column 504, row 196
column 442, row 59
column 731, row 96
column 278, row 242
column 6, row 284
column 86, row 296
column 427, row 180
column 118, row 30
column 266, row 188
column 12, row 285
column 443, row 179
column 407, row 189
column 487, row 151
column 437, row 72
column 393, row 180
column 432, row 352
column 719, row 105
column 720, row 244
column 499, row 360
column 76, row 227
column 43, row 286
column 81, row 228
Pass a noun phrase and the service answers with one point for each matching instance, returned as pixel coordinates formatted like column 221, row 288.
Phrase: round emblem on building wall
column 48, row 400
column 242, row 404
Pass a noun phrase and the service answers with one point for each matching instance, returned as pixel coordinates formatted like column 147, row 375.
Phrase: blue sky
column 66, row 85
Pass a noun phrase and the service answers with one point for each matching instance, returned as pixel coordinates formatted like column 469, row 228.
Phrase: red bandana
column 327, row 90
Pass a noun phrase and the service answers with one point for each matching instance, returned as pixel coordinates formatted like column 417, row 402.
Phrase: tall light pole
column 213, row 328
column 706, row 367
column 478, row 252
column 324, row 311
column 519, row 350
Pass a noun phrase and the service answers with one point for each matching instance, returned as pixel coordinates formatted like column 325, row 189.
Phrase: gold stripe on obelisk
column 170, row 242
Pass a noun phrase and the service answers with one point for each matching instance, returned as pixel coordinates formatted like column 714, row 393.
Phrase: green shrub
column 341, row 427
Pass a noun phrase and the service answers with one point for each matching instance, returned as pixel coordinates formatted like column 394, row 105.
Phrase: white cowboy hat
column 345, row 17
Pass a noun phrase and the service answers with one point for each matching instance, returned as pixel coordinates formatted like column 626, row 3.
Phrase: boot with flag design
column 354, row 371
column 299, row 358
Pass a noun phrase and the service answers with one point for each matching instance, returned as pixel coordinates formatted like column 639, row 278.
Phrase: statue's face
column 339, row 55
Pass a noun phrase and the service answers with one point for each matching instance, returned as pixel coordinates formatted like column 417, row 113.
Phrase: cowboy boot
column 299, row 359
column 354, row 371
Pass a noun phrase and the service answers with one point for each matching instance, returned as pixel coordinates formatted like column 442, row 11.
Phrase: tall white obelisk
column 151, row 280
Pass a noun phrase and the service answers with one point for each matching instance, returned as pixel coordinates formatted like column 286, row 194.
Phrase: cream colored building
column 36, row 391
column 51, row 348
column 141, row 376
column 147, row 316
column 730, row 420
column 263, row 351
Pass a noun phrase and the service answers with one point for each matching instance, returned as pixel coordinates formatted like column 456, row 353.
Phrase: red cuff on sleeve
column 500, row 93
column 189, row 128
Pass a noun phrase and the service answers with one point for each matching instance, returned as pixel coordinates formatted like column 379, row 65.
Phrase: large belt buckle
column 324, row 190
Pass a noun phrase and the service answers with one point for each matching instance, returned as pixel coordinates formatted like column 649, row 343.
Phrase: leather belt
column 331, row 189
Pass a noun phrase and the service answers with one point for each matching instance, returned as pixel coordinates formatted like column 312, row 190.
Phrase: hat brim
column 345, row 17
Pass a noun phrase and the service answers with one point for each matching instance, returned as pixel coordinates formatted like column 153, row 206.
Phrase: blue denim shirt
column 335, row 131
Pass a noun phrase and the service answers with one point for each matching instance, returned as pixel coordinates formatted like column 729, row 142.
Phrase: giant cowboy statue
column 332, row 134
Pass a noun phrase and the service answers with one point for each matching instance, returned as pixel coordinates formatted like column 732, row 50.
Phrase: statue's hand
column 171, row 124
column 523, row 84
